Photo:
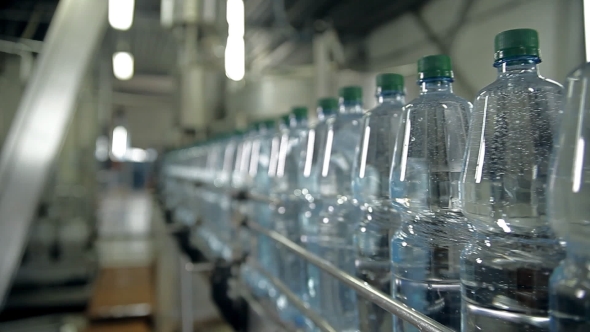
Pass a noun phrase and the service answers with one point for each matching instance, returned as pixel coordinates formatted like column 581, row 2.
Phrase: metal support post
column 186, row 295
column 41, row 123
column 321, row 62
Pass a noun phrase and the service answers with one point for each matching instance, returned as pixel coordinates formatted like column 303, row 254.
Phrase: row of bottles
column 444, row 204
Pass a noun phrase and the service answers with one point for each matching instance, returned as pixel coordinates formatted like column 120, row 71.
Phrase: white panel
column 193, row 113
column 270, row 96
column 149, row 127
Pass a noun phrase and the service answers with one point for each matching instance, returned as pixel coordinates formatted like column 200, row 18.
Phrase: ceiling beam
column 147, row 84
column 141, row 100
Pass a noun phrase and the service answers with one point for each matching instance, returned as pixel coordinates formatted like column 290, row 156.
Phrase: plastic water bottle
column 424, row 189
column 286, row 189
column 370, row 189
column 215, row 218
column 241, row 183
column 568, row 209
column 223, row 218
column 330, row 228
column 261, row 168
column 309, row 194
column 198, row 166
column 314, row 141
column 505, row 268
column 214, row 161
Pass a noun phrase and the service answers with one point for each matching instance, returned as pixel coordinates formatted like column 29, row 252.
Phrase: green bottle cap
column 328, row 105
column 517, row 42
column 299, row 112
column 268, row 123
column 390, row 82
column 351, row 93
column 286, row 118
column 435, row 66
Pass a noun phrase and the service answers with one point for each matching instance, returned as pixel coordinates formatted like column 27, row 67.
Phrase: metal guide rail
column 319, row 322
column 377, row 297
column 395, row 307
column 261, row 310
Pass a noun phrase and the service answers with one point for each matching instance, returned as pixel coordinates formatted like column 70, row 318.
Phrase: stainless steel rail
column 261, row 310
column 319, row 322
column 262, row 199
column 382, row 300
column 397, row 308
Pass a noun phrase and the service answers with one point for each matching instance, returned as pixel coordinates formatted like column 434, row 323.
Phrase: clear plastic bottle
column 222, row 199
column 568, row 209
column 215, row 218
column 214, row 160
column 330, row 228
column 198, row 169
column 182, row 188
column 241, row 182
column 286, row 190
column 234, row 179
column 261, row 169
column 370, row 188
column 506, row 266
column 424, row 189
column 309, row 194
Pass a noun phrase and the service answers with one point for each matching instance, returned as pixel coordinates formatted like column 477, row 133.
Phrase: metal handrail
column 379, row 298
column 395, row 307
column 261, row 198
column 260, row 309
column 318, row 320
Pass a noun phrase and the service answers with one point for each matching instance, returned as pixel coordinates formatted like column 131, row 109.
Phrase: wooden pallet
column 124, row 326
column 122, row 292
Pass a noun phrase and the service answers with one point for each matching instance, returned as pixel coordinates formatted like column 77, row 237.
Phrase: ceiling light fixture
column 235, row 49
column 123, row 65
column 121, row 14
column 120, row 143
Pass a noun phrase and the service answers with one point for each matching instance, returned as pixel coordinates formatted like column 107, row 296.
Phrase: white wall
column 559, row 23
column 151, row 127
column 269, row 95
column 274, row 95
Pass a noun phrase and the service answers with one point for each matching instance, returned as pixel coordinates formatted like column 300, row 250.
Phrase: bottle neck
column 323, row 115
column 437, row 84
column 393, row 97
column 350, row 107
column 298, row 123
column 518, row 66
